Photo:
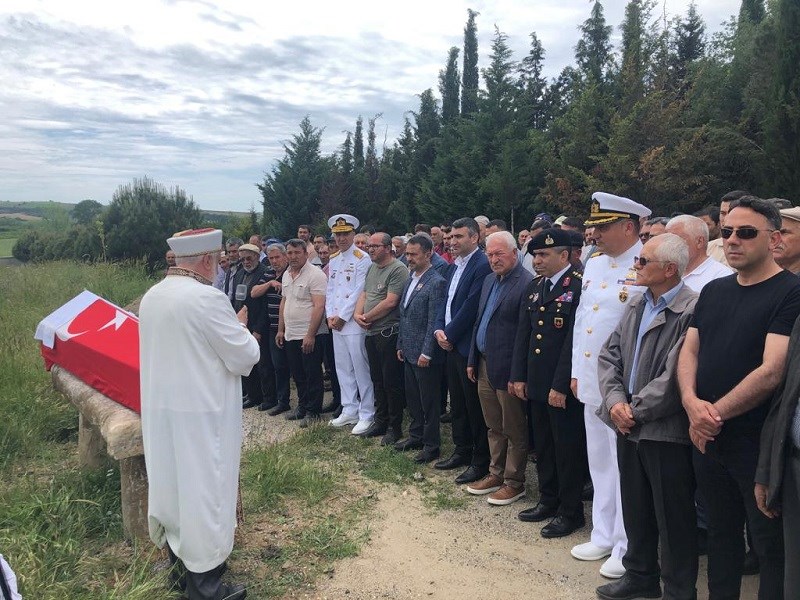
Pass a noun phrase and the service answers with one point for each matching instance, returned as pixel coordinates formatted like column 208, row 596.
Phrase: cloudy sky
column 202, row 93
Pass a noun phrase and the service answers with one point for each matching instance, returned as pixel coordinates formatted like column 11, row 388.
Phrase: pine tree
column 690, row 41
column 449, row 87
column 752, row 11
column 634, row 53
column 533, row 85
column 593, row 50
column 358, row 145
column 469, row 75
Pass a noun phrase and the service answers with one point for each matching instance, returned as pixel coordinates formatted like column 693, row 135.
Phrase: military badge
column 566, row 282
column 535, row 297
column 558, row 322
column 623, row 295
column 549, row 241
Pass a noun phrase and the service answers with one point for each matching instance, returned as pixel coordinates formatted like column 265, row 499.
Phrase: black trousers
column 470, row 434
column 424, row 404
column 198, row 586
column 306, row 370
column 725, row 475
column 386, row 373
column 657, row 488
column 330, row 367
column 263, row 375
column 560, row 443
column 280, row 368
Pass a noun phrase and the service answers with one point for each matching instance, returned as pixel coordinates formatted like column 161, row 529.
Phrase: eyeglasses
column 376, row 246
column 645, row 261
column 743, row 233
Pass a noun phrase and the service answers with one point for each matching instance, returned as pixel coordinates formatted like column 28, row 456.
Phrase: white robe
column 192, row 353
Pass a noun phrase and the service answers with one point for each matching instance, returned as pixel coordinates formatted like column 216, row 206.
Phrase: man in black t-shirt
column 732, row 361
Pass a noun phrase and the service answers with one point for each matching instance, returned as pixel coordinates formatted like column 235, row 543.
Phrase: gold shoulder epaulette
column 577, row 274
column 334, row 255
column 598, row 253
column 358, row 253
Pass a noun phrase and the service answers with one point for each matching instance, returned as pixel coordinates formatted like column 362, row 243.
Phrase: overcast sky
column 202, row 93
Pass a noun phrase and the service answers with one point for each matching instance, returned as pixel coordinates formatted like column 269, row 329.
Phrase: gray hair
column 234, row 241
column 502, row 236
column 672, row 248
column 277, row 246
column 694, row 226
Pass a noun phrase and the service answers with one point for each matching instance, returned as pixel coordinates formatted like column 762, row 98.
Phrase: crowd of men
column 641, row 360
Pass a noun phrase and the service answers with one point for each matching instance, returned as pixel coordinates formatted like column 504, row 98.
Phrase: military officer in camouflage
column 541, row 371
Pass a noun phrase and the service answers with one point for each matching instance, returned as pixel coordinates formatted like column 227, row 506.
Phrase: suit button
column 596, row 307
column 541, row 308
column 587, row 354
column 538, row 336
column 541, row 322
column 538, row 351
column 589, row 330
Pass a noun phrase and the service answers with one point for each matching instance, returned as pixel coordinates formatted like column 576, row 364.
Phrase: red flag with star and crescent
column 98, row 342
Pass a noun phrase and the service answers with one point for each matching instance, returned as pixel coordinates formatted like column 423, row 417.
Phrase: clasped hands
column 705, row 422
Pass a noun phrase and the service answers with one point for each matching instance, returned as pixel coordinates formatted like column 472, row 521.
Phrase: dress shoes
column 562, row 526
column 625, row 589
column 472, row 473
column 278, row 410
column 267, row 405
column 589, row 551
column 295, row 415
column 407, row 444
column 330, row 407
column 310, row 419
column 455, row 461
column 362, row 427
column 612, row 568
column 343, row 420
column 446, row 418
column 375, row 430
column 426, row 456
column 232, row 592
column 250, row 403
column 390, row 439
column 540, row 512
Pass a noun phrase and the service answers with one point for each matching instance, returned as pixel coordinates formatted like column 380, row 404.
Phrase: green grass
column 6, row 245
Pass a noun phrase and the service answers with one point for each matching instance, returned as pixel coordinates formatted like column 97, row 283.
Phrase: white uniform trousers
column 352, row 369
column 608, row 529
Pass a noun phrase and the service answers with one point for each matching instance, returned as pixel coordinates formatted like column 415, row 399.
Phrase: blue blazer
column 417, row 320
column 465, row 302
column 502, row 327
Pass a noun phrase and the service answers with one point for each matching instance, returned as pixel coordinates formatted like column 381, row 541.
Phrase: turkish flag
column 98, row 342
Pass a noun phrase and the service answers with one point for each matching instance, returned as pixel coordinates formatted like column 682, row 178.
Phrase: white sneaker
column 361, row 427
column 589, row 551
column 342, row 420
column 612, row 568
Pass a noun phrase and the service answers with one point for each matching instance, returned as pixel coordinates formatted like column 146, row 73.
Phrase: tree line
column 672, row 118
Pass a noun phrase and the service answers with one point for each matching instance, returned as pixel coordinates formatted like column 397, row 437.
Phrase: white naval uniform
column 607, row 289
column 346, row 274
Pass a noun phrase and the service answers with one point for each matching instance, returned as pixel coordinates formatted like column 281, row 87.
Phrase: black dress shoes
column 375, row 430
column 295, row 415
column 267, row 405
column 278, row 410
column 562, row 526
column 472, row 473
column 625, row 589
column 455, row 461
column 250, row 403
column 390, row 439
column 407, row 444
column 426, row 456
column 540, row 512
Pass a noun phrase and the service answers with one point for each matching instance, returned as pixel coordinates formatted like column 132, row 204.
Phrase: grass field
column 60, row 525
column 5, row 247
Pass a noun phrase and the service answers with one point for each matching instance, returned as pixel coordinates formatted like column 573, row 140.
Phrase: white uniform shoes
column 361, row 427
column 589, row 551
column 342, row 420
column 612, row 568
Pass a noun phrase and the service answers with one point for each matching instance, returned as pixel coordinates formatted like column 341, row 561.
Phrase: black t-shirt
column 733, row 322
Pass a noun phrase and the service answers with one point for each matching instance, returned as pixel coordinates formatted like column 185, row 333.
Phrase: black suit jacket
column 543, row 345
column 502, row 326
column 257, row 316
column 775, row 443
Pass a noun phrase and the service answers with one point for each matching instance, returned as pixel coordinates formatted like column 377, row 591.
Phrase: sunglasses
column 645, row 261
column 743, row 233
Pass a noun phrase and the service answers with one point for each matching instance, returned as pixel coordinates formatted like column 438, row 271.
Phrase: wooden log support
column 108, row 429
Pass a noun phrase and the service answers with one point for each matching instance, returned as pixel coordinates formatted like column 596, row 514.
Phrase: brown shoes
column 487, row 485
column 506, row 495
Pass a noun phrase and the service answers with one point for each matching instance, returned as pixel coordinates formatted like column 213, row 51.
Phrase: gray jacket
column 656, row 402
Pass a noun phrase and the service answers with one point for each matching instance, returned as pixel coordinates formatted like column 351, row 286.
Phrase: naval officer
column 347, row 272
column 608, row 284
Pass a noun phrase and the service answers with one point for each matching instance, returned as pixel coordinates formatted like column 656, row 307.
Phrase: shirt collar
column 554, row 279
column 665, row 298
column 463, row 261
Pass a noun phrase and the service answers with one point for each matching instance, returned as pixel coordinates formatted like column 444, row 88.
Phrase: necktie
column 548, row 285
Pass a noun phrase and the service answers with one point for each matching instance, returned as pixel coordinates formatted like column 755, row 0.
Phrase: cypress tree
column 469, row 76
column 449, row 87
column 752, row 11
column 593, row 50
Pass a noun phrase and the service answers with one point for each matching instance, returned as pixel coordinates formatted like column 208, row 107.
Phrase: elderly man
column 701, row 268
column 302, row 329
column 609, row 281
column 421, row 357
column 489, row 365
column 252, row 273
column 540, row 371
column 399, row 248
column 787, row 251
column 732, row 361
column 378, row 313
column 642, row 404
column 347, row 272
column 193, row 352
column 454, row 324
column 437, row 235
column 483, row 223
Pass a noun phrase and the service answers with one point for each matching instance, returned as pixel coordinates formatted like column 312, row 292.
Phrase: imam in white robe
column 193, row 352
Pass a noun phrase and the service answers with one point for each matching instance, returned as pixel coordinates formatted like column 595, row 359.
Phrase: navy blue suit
column 469, row 427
